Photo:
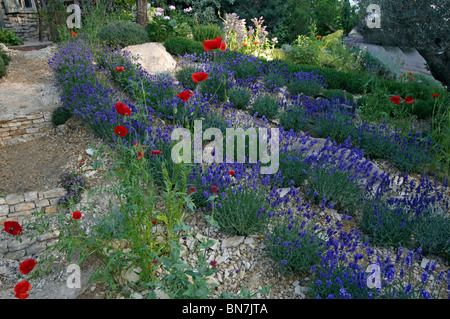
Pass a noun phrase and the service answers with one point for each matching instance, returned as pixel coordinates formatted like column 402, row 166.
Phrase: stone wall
column 24, row 128
column 19, row 207
column 25, row 24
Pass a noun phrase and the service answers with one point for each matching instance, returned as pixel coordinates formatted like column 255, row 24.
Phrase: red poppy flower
column 27, row 265
column 256, row 42
column 192, row 189
column 119, row 69
column 122, row 109
column 12, row 228
column 436, row 95
column 410, row 73
column 396, row 99
column 185, row 95
column 409, row 100
column 21, row 289
column 74, row 34
column 154, row 221
column 318, row 36
column 231, row 173
column 217, row 43
column 141, row 155
column 155, row 261
column 76, row 215
column 213, row 263
column 200, row 76
column 121, row 130
column 245, row 44
column 412, row 79
column 214, row 189
column 156, row 152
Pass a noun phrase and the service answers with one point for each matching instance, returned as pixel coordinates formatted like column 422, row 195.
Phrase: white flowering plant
column 164, row 23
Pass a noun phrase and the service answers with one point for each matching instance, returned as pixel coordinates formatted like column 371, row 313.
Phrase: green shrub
column 294, row 247
column 309, row 88
column 384, row 225
column 273, row 81
column 294, row 118
column 207, row 32
column 432, row 234
column 337, row 187
column 242, row 211
column 9, row 38
column 305, row 50
column 120, row 34
column 214, row 85
column 2, row 68
column 266, row 106
column 338, row 95
column 337, row 125
column 60, row 115
column 181, row 46
column 246, row 70
column 185, row 77
column 293, row 168
column 5, row 57
column 240, row 97
column 421, row 108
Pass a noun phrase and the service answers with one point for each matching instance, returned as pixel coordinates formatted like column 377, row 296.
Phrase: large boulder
column 153, row 57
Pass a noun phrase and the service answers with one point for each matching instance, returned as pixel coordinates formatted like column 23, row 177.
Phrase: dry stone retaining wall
column 24, row 128
column 17, row 207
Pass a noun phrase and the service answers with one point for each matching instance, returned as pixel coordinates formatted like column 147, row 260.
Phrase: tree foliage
column 420, row 24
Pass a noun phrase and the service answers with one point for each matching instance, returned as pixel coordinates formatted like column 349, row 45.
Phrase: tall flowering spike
column 122, row 109
column 185, row 95
column 121, row 130
column 12, row 227
column 217, row 43
column 200, row 76
column 27, row 266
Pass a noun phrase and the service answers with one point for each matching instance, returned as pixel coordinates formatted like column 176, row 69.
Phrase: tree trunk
column 141, row 14
column 38, row 8
column 439, row 65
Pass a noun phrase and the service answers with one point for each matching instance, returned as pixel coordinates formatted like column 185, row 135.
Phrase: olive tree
column 420, row 24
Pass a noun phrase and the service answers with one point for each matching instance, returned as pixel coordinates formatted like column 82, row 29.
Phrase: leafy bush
column 305, row 50
column 294, row 118
column 207, row 32
column 60, row 115
column 241, row 211
column 294, row 247
column 120, row 34
column 240, row 97
column 181, row 46
column 5, row 57
column 215, row 85
column 293, row 168
column 273, row 81
column 385, row 225
column 336, row 125
column 185, row 77
column 266, row 106
column 9, row 38
column 2, row 68
column 338, row 95
column 246, row 71
column 337, row 187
